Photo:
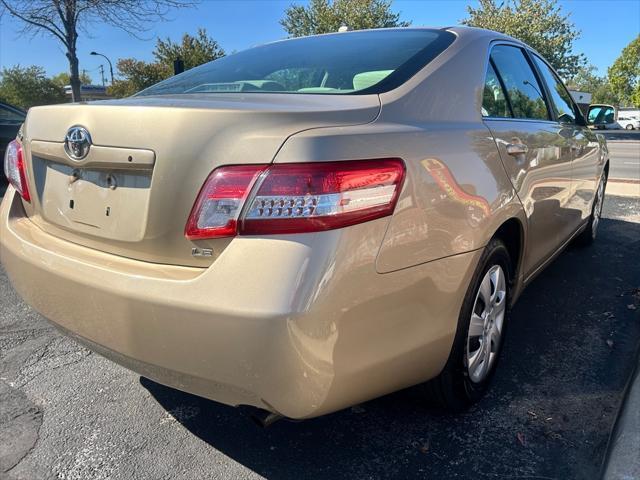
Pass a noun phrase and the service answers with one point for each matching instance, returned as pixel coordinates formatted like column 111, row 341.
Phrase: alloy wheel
column 487, row 322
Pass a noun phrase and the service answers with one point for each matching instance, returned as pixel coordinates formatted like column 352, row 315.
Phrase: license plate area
column 105, row 203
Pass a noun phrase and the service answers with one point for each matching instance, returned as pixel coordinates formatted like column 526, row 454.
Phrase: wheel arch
column 512, row 234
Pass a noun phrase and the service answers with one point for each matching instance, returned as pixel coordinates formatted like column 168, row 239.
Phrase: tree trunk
column 74, row 77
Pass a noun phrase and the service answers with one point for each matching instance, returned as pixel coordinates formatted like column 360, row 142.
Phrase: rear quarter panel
column 456, row 193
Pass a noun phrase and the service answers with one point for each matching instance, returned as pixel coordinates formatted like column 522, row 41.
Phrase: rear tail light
column 15, row 169
column 311, row 197
column 216, row 211
column 295, row 198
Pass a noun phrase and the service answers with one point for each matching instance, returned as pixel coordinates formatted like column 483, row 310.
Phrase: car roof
column 460, row 31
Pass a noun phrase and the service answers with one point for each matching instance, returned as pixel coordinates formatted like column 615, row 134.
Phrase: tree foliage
column 325, row 16
column 137, row 75
column 63, row 79
column 193, row 50
column 587, row 80
column 539, row 23
column 624, row 74
column 63, row 19
column 26, row 87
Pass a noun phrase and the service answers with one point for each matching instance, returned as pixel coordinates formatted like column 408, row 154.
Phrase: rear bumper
column 304, row 327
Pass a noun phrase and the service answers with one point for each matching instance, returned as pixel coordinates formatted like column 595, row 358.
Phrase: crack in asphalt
column 20, row 422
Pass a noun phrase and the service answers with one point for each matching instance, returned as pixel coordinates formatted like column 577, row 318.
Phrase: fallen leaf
column 631, row 307
column 521, row 439
column 548, row 419
column 425, row 448
column 532, row 414
column 610, row 343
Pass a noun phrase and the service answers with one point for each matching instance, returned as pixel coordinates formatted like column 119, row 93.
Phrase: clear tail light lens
column 15, row 169
column 216, row 211
column 295, row 198
column 311, row 197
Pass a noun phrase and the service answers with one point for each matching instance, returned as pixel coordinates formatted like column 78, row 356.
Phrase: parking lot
column 67, row 413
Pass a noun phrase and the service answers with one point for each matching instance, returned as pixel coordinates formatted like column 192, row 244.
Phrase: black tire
column 629, row 127
column 588, row 235
column 453, row 389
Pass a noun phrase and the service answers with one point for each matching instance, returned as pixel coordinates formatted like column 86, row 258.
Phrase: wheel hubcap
column 597, row 208
column 487, row 321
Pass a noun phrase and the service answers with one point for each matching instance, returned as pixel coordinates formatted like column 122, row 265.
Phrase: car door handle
column 515, row 149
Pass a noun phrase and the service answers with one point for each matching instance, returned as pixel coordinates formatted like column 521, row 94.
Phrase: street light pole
column 110, row 65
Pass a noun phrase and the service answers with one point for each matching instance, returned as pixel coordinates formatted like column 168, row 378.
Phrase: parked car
column 10, row 120
column 629, row 123
column 307, row 224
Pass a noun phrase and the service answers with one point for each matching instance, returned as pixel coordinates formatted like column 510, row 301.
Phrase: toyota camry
column 307, row 224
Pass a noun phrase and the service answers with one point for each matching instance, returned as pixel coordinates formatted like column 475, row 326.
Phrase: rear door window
column 494, row 100
column 524, row 92
column 559, row 95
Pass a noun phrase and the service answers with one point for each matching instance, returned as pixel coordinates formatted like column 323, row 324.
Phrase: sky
column 607, row 26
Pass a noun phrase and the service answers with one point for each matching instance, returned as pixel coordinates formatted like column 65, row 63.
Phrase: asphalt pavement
column 624, row 151
column 69, row 414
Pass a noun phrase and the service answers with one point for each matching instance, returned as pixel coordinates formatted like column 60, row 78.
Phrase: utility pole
column 101, row 67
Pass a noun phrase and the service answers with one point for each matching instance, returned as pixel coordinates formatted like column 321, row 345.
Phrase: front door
column 586, row 164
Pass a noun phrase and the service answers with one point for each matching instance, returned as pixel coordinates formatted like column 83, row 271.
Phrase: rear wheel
column 629, row 127
column 588, row 235
column 481, row 327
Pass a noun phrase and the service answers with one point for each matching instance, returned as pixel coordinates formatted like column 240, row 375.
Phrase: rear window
column 360, row 62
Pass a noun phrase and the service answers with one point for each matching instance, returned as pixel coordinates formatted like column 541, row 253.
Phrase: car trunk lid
column 132, row 193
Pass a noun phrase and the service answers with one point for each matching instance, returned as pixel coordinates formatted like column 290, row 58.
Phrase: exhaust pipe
column 262, row 418
column 265, row 419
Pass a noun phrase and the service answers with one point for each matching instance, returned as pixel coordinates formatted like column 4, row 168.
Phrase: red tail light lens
column 311, row 197
column 216, row 211
column 295, row 198
column 15, row 169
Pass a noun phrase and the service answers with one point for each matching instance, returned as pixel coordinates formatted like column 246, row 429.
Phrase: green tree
column 26, row 87
column 193, row 51
column 539, row 23
column 586, row 80
column 325, row 16
column 63, row 79
column 624, row 74
column 63, row 19
column 137, row 75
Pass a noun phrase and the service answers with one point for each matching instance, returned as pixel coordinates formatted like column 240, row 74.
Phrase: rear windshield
column 361, row 62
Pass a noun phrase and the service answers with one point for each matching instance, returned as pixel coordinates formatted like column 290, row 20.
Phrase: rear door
column 585, row 169
column 533, row 147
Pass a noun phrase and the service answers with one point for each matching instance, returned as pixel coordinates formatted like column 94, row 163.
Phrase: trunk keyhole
column 108, row 211
column 71, row 204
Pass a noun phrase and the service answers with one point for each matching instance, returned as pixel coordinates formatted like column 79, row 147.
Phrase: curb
column 622, row 460
column 623, row 187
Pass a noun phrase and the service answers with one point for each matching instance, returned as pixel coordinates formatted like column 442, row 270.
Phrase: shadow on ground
column 568, row 354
